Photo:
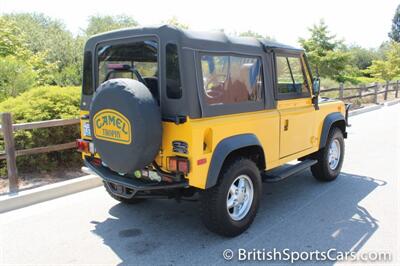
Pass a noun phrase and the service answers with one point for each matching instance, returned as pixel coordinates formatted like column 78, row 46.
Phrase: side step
column 278, row 174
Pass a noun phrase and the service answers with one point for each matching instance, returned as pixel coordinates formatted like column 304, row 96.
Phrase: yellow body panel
column 280, row 146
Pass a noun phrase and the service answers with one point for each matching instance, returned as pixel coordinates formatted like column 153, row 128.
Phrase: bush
column 44, row 103
column 16, row 76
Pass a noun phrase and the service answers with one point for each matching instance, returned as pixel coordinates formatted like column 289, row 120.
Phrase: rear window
column 117, row 61
column 229, row 79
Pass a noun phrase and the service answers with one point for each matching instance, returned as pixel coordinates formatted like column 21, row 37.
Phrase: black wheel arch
column 332, row 120
column 246, row 145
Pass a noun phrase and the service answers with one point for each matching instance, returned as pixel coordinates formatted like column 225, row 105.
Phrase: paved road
column 357, row 212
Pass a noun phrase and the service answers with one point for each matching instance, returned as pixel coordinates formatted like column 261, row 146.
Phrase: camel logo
column 112, row 126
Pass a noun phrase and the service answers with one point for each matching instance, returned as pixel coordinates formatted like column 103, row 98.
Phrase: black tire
column 213, row 201
column 121, row 199
column 129, row 104
column 322, row 171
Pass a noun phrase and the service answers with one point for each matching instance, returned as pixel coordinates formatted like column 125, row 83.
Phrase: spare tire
column 125, row 122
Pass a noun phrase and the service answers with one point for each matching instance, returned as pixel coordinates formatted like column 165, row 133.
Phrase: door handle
column 286, row 126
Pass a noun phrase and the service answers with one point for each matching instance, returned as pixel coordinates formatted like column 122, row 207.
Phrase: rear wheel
column 330, row 158
column 121, row 199
column 230, row 207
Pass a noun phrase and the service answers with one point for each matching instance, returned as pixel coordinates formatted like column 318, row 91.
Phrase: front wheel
column 330, row 158
column 230, row 207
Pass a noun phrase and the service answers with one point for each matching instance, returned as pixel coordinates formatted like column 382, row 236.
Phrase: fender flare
column 223, row 149
column 328, row 122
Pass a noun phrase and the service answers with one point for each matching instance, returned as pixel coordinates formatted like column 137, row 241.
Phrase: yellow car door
column 297, row 112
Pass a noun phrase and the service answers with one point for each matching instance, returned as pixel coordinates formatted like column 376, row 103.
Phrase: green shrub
column 16, row 76
column 44, row 103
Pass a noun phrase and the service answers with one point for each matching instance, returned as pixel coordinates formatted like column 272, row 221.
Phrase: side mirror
column 316, row 86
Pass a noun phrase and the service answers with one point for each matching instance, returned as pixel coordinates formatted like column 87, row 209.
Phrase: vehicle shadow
column 298, row 213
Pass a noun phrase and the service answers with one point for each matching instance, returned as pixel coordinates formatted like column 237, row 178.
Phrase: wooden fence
column 364, row 90
column 10, row 153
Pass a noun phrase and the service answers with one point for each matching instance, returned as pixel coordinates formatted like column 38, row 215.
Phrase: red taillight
column 172, row 164
column 183, row 166
column 178, row 164
column 82, row 145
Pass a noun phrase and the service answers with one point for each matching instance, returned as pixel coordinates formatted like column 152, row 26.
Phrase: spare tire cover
column 125, row 122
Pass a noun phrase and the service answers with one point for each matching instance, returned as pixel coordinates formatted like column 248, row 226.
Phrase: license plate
column 86, row 130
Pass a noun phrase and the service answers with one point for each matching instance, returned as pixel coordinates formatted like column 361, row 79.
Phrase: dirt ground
column 33, row 180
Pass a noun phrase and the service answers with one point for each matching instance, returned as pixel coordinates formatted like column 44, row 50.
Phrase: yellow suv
column 173, row 113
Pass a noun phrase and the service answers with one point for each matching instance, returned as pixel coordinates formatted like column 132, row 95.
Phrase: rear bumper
column 133, row 184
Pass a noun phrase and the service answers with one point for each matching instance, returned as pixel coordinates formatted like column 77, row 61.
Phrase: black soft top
column 199, row 40
column 190, row 44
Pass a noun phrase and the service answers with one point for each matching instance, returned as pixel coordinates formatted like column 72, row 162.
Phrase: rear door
column 294, row 104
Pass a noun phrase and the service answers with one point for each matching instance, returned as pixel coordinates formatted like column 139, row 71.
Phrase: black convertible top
column 199, row 40
column 190, row 44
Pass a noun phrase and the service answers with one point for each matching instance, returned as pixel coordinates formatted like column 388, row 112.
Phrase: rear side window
column 174, row 89
column 231, row 79
column 87, row 82
column 290, row 76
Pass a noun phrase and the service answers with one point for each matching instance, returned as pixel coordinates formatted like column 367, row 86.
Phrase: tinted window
column 174, row 89
column 87, row 82
column 290, row 75
column 231, row 79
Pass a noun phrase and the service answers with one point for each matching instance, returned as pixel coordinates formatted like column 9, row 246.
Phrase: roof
column 199, row 40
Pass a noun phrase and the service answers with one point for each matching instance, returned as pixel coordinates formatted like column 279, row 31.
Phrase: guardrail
column 10, row 153
column 367, row 90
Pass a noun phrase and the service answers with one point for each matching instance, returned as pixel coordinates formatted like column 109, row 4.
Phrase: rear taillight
column 83, row 145
column 178, row 164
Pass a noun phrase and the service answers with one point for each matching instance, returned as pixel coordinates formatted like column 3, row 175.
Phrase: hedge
column 38, row 104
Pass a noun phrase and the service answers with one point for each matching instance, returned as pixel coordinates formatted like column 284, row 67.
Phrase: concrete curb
column 365, row 110
column 392, row 102
column 373, row 107
column 48, row 192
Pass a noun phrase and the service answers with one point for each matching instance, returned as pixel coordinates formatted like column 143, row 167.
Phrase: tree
column 11, row 41
column 175, row 22
column 256, row 35
column 98, row 24
column 48, row 40
column 326, row 53
column 250, row 33
column 389, row 68
column 395, row 32
column 362, row 58
column 16, row 76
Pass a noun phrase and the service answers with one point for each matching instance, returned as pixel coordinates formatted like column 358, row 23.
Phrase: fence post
column 360, row 90
column 341, row 89
column 9, row 144
column 376, row 92
column 397, row 89
column 386, row 90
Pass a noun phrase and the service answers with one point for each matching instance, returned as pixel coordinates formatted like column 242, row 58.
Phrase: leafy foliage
column 15, row 76
column 99, row 24
column 395, row 32
column 49, row 39
column 389, row 68
column 44, row 103
column 325, row 52
column 175, row 22
column 11, row 41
